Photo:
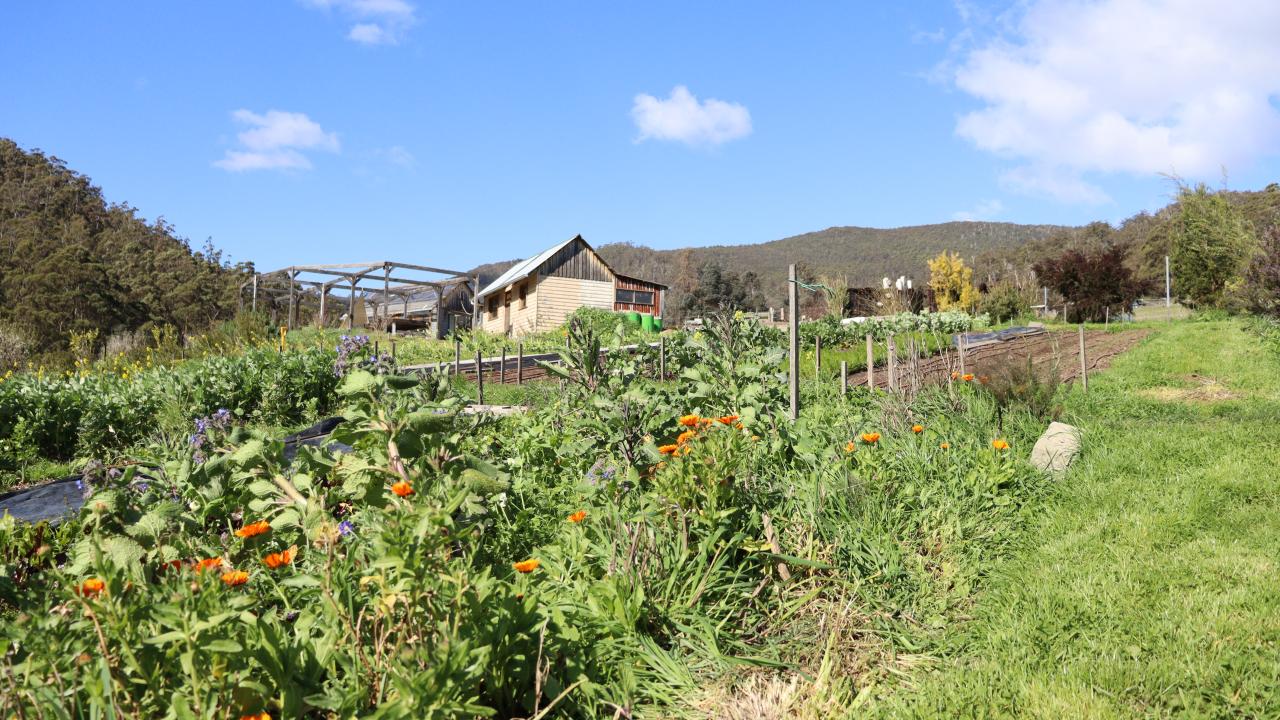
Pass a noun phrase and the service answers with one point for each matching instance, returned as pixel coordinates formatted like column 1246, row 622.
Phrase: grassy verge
column 1148, row 586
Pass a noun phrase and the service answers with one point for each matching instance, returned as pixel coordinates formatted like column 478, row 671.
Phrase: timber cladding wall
column 558, row 297
column 504, row 311
column 576, row 260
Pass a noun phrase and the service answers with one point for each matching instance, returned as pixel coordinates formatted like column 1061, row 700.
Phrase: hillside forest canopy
column 72, row 262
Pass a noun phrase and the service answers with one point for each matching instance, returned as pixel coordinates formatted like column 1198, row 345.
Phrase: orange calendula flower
column 685, row 437
column 256, row 716
column 871, row 438
column 668, row 449
column 254, row 528
column 917, row 429
column 689, row 420
column 728, row 419
column 235, row 577
column 278, row 559
column 737, row 426
column 1000, row 444
column 527, row 566
column 850, row 446
column 578, row 516
column 92, row 587
column 402, row 488
column 955, row 375
column 207, row 563
column 944, row 445
column 967, row 377
column 705, row 421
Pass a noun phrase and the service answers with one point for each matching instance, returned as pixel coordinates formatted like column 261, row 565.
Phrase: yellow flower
column 1000, row 444
column 689, row 420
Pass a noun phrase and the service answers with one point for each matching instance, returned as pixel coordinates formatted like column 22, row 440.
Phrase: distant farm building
column 540, row 293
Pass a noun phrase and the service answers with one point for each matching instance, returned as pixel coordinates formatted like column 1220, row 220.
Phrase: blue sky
column 456, row 133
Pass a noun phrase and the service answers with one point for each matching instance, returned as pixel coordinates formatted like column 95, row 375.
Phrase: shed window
column 493, row 307
column 634, row 297
column 523, row 290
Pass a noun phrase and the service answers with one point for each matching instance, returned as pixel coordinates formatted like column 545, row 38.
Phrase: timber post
column 520, row 362
column 1084, row 367
column 844, row 378
column 793, row 329
column 479, row 378
column 871, row 363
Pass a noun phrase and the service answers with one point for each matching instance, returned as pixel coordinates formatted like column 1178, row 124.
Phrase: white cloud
column 376, row 22
column 682, row 118
column 1078, row 88
column 985, row 210
column 275, row 141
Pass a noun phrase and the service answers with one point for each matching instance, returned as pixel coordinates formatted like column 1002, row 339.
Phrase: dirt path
column 1061, row 347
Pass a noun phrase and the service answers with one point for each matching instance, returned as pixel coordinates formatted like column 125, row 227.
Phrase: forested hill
column 863, row 255
column 72, row 262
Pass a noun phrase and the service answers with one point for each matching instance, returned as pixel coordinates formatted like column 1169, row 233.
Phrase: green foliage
column 1212, row 241
column 87, row 414
column 952, row 283
column 1262, row 281
column 719, row 291
column 73, row 263
column 1005, row 302
column 408, row 604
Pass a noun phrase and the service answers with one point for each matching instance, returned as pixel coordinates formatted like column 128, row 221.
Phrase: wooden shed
column 540, row 293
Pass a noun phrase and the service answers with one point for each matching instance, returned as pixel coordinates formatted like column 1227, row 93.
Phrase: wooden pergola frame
column 355, row 277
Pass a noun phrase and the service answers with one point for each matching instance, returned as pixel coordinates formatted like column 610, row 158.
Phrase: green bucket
column 631, row 318
column 646, row 322
column 657, row 323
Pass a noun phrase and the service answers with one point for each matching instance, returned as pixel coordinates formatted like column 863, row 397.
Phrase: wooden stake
column 793, row 328
column 960, row 348
column 871, row 363
column 479, row 378
column 893, row 364
column 1084, row 367
column 502, row 366
column 817, row 357
column 662, row 358
column 844, row 377
column 520, row 363
column 457, row 355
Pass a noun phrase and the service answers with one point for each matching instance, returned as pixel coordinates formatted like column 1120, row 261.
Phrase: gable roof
column 525, row 268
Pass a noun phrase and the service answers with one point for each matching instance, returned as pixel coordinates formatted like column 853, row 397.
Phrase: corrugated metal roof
column 524, row 268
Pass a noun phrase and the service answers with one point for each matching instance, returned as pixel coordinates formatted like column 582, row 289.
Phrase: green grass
column 1148, row 587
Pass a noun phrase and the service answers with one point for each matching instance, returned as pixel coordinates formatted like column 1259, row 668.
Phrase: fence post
column 479, row 378
column 393, row 350
column 793, row 328
column 844, row 378
column 1084, row 368
column 662, row 358
column 502, row 367
column 457, row 356
column 520, row 363
column 871, row 363
column 960, row 346
column 892, row 351
column 817, row 357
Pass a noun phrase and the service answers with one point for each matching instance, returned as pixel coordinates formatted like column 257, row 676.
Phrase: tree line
column 72, row 263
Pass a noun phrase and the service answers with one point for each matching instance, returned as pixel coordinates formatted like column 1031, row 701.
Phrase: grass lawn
column 1150, row 584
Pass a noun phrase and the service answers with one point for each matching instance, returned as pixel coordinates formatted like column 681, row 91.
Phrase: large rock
column 1056, row 448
